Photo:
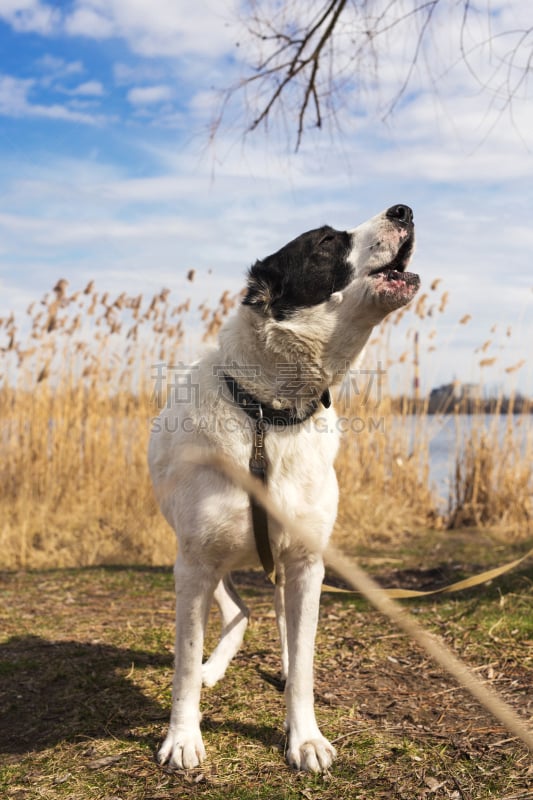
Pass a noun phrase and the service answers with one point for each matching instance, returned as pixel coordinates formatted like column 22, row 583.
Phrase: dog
column 305, row 317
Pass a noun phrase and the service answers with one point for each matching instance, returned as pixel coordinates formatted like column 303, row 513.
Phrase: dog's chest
column 299, row 462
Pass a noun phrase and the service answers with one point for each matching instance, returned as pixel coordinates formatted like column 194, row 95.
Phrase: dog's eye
column 327, row 238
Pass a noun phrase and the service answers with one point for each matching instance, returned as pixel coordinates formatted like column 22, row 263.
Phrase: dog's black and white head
column 321, row 265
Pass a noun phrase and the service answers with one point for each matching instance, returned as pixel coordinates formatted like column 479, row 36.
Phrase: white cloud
column 13, row 95
column 50, row 232
column 171, row 28
column 149, row 95
column 54, row 72
column 91, row 22
column 138, row 72
column 88, row 88
column 14, row 102
column 30, row 16
column 58, row 67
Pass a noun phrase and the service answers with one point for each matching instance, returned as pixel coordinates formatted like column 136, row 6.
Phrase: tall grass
column 75, row 410
column 492, row 481
column 77, row 398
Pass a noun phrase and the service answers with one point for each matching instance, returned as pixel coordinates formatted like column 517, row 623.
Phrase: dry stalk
column 359, row 580
column 75, row 409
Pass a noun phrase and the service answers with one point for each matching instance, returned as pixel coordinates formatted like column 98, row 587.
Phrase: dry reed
column 77, row 397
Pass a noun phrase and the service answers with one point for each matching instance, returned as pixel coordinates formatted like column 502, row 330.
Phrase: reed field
column 87, row 596
column 82, row 376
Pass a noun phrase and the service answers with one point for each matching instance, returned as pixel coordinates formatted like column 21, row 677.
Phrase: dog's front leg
column 307, row 748
column 183, row 747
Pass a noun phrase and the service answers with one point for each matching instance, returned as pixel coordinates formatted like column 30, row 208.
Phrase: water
column 448, row 435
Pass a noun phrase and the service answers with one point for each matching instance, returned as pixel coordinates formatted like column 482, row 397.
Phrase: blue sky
column 107, row 171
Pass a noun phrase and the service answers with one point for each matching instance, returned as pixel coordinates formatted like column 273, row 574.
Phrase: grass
column 86, row 661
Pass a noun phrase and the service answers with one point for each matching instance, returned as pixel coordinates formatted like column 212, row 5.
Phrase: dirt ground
column 85, row 668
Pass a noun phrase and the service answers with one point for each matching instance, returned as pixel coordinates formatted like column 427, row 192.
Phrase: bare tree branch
column 298, row 63
column 431, row 6
column 306, row 56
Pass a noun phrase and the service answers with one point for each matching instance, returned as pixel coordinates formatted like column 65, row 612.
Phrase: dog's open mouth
column 391, row 282
column 400, row 260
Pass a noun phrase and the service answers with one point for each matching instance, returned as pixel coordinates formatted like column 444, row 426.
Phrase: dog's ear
column 264, row 285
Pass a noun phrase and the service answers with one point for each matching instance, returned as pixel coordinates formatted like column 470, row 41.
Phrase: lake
column 448, row 434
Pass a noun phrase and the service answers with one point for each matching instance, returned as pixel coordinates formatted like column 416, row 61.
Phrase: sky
column 108, row 171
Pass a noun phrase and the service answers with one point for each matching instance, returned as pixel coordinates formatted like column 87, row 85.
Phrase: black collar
column 280, row 417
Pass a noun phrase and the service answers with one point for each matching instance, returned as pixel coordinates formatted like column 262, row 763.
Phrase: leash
column 356, row 577
column 264, row 417
column 458, row 586
column 258, row 468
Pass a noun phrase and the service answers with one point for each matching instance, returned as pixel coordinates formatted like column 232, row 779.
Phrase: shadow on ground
column 68, row 691
column 71, row 691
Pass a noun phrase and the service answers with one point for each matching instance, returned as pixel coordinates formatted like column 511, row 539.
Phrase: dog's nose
column 400, row 213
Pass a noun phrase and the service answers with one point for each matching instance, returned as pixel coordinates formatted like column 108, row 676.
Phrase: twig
column 363, row 583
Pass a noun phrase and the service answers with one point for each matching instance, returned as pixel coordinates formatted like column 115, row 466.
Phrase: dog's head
column 368, row 262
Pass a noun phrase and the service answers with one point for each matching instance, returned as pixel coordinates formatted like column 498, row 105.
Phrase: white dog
column 307, row 314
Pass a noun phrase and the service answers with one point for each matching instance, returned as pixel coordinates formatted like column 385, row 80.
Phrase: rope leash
column 259, row 469
column 258, row 466
column 265, row 416
column 365, row 585
column 458, row 586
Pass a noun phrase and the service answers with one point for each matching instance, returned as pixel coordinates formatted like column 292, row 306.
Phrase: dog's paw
column 212, row 672
column 313, row 755
column 182, row 749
